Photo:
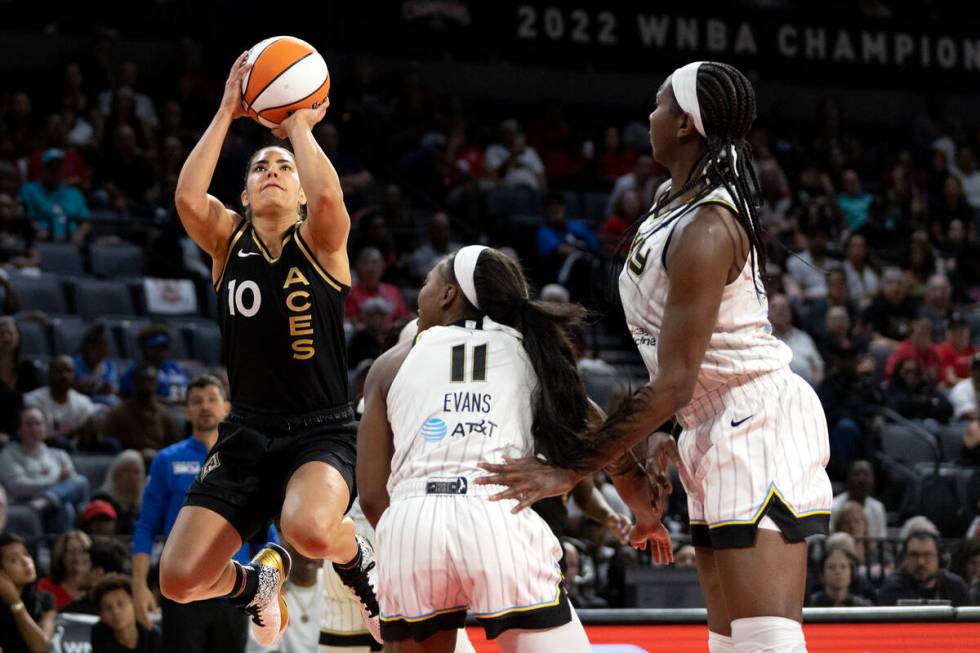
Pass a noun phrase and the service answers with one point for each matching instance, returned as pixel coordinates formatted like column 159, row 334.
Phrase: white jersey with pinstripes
column 461, row 397
column 741, row 345
column 754, row 446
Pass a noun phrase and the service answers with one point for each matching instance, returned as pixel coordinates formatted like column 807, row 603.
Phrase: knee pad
column 768, row 635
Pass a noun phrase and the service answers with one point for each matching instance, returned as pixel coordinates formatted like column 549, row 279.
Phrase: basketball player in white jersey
column 490, row 374
column 754, row 443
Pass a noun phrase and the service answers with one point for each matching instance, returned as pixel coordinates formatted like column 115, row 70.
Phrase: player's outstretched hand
column 528, row 480
column 231, row 101
column 620, row 525
column 301, row 119
column 654, row 532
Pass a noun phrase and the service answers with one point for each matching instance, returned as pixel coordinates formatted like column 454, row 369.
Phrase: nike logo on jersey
column 741, row 421
column 243, row 254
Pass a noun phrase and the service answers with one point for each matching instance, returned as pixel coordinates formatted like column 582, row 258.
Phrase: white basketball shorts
column 752, row 450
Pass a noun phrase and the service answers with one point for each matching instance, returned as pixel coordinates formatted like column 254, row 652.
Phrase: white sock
column 720, row 643
column 768, row 635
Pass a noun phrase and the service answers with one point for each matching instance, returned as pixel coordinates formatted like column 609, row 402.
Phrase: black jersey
column 282, row 327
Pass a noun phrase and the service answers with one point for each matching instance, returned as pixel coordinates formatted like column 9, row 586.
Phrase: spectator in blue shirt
column 566, row 248
column 96, row 375
column 204, row 626
column 49, row 202
column 854, row 203
column 154, row 344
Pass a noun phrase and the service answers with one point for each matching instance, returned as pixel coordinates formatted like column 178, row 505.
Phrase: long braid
column 728, row 110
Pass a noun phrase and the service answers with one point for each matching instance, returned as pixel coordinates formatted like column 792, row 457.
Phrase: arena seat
column 34, row 338
column 24, row 521
column 594, row 207
column 61, row 258
column 509, row 201
column 115, row 261
column 94, row 467
column 44, row 293
column 951, row 438
column 205, row 343
column 573, row 204
column 95, row 299
column 68, row 332
column 908, row 445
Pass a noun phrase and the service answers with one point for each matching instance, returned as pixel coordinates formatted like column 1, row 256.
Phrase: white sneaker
column 362, row 581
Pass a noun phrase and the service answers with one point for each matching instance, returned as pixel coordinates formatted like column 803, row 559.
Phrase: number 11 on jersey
column 458, row 364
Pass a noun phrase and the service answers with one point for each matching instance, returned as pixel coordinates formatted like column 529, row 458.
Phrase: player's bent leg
column 313, row 518
column 313, row 521
column 719, row 625
column 197, row 558
column 568, row 638
column 763, row 587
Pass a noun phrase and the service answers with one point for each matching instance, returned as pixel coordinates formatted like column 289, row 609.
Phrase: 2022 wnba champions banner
column 841, row 45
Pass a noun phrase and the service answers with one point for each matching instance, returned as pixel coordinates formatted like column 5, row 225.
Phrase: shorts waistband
column 460, row 486
column 287, row 424
column 710, row 404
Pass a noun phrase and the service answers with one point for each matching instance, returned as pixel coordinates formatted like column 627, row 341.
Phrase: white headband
column 685, row 84
column 463, row 266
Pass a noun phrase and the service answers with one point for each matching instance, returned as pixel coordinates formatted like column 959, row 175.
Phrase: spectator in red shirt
column 918, row 346
column 956, row 352
column 370, row 268
column 626, row 209
column 616, row 158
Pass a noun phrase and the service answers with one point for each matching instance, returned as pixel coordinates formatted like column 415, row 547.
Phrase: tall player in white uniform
column 490, row 374
column 754, row 445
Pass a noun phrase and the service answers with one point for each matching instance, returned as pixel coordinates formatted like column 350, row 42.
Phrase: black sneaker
column 268, row 608
column 361, row 581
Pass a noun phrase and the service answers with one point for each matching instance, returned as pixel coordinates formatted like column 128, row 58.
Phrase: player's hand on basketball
column 528, row 480
column 144, row 601
column 654, row 532
column 231, row 101
column 303, row 119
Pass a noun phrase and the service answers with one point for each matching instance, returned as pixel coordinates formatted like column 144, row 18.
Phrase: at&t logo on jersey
column 434, row 430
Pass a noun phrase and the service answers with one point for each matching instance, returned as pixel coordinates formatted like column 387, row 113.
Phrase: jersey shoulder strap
column 236, row 235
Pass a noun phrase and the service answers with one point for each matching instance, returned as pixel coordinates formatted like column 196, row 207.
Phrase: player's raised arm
column 328, row 224
column 205, row 218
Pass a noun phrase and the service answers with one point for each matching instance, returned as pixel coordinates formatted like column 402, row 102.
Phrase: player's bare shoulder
column 386, row 366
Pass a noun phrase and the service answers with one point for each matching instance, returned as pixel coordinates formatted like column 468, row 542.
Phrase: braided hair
column 728, row 109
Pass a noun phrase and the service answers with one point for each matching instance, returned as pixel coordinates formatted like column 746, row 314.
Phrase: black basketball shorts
column 245, row 475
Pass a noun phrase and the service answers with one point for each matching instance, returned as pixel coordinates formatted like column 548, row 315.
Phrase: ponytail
column 558, row 401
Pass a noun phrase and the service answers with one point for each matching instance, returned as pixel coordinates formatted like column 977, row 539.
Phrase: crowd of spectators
column 873, row 280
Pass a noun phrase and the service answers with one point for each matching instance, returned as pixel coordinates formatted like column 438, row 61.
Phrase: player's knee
column 175, row 583
column 314, row 533
column 180, row 580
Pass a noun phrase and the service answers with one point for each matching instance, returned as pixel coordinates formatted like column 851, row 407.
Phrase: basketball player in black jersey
column 288, row 447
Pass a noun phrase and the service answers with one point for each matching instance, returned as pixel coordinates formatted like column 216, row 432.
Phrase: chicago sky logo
column 434, row 430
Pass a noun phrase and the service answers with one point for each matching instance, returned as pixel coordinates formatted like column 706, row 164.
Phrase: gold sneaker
column 268, row 609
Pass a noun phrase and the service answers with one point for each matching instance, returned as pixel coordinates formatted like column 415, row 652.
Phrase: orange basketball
column 287, row 74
